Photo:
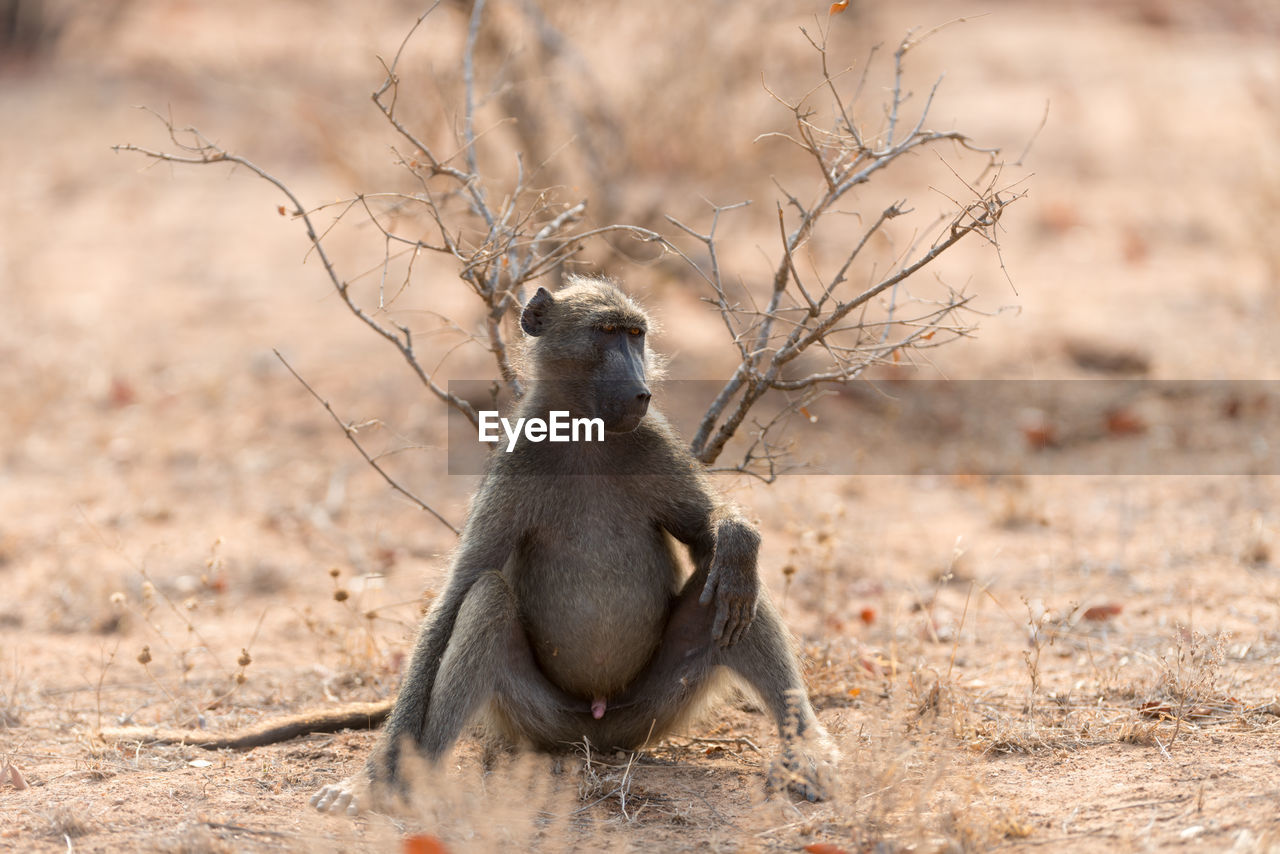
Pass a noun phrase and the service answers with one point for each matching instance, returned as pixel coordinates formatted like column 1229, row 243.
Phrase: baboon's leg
column 763, row 658
column 488, row 655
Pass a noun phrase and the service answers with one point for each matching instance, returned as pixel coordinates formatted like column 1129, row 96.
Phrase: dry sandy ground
column 1073, row 663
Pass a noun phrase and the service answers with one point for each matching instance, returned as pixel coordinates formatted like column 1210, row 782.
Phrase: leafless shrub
column 815, row 314
column 501, row 233
column 1188, row 683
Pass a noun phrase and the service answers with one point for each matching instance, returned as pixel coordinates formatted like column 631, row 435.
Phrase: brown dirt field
column 1025, row 663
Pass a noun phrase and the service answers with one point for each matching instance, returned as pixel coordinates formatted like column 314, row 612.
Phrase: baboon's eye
column 609, row 327
column 635, row 330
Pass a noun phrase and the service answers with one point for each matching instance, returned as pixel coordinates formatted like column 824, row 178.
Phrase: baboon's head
column 587, row 351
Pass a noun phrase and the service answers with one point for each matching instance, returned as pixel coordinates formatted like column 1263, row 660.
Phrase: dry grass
column 70, row 821
column 912, row 693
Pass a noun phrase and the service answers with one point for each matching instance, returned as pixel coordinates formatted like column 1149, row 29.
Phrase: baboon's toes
column 799, row 774
column 337, row 798
column 799, row 784
column 811, row 790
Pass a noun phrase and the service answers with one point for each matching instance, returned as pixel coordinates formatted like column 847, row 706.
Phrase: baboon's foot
column 806, row 768
column 346, row 796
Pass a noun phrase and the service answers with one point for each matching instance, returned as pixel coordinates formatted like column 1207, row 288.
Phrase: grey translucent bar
column 973, row 427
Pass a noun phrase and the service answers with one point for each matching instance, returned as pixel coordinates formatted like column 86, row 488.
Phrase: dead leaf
column 1040, row 436
column 824, row 848
column 1135, row 246
column 1058, row 217
column 836, row 9
column 1098, row 613
column 15, row 777
column 1124, row 422
column 1163, row 710
column 122, row 393
column 1156, row 709
column 1037, row 429
column 423, row 844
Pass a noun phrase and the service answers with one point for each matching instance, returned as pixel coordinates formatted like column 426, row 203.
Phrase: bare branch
column 468, row 78
column 206, row 153
column 500, row 236
column 1044, row 120
column 350, row 432
column 815, row 318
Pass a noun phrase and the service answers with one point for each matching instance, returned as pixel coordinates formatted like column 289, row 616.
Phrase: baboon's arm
column 719, row 537
column 734, row 581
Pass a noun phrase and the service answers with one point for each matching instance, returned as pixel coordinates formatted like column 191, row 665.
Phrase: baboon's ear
column 533, row 320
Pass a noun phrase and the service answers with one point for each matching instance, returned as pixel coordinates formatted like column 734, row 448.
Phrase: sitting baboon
column 565, row 617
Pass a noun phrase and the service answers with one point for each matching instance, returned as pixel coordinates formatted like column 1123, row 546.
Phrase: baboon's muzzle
column 633, row 403
column 625, row 395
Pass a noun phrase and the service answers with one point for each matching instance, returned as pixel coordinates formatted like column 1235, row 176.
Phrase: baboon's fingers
column 740, row 624
column 733, row 617
column 722, row 620
column 727, row 618
column 748, row 619
column 709, row 590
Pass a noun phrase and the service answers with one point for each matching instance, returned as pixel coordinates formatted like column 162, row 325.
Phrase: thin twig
column 814, row 317
column 205, row 152
column 349, row 432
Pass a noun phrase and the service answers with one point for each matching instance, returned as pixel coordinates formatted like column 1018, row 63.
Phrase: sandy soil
column 1019, row 662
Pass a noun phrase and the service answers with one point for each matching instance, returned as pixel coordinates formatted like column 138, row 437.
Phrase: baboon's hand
column 733, row 588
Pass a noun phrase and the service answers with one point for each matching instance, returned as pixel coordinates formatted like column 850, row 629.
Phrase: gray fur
column 566, row 589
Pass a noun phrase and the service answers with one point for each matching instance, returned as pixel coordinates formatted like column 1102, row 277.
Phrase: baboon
column 565, row 616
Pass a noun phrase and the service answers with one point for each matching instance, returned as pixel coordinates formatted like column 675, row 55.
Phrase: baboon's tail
column 354, row 716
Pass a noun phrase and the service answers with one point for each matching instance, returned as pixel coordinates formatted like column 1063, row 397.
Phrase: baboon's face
column 590, row 352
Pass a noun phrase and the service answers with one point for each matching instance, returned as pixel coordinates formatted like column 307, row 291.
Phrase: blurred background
column 144, row 299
